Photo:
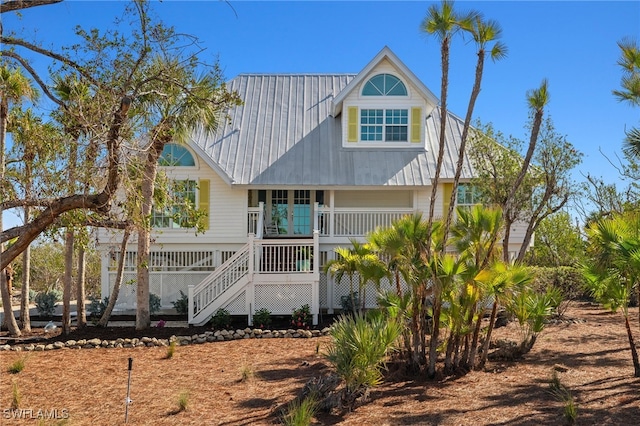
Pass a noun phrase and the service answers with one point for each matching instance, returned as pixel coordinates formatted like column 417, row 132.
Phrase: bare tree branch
column 34, row 74
column 13, row 5
column 79, row 68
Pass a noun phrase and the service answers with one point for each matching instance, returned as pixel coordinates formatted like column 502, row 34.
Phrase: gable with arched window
column 187, row 204
column 386, row 113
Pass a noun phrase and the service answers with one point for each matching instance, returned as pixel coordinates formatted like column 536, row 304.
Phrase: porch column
column 315, row 286
column 191, row 302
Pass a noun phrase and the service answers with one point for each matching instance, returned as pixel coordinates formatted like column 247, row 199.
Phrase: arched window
column 176, row 155
column 384, row 85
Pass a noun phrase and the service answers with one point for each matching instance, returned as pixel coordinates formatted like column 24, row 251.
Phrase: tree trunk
column 463, row 140
column 113, row 297
column 632, row 345
column 507, row 235
column 80, row 283
column 9, row 318
column 435, row 333
column 143, row 316
column 68, row 280
column 487, row 339
column 25, row 318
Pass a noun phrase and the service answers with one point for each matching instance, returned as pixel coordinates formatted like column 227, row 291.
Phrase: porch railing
column 212, row 287
column 347, row 222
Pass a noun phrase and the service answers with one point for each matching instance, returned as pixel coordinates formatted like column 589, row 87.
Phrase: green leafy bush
column 181, row 305
column 350, row 303
column 154, row 303
column 46, row 301
column 97, row 307
column 221, row 319
column 262, row 318
column 301, row 317
column 358, row 349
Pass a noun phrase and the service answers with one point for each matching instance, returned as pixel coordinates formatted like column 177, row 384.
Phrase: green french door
column 291, row 211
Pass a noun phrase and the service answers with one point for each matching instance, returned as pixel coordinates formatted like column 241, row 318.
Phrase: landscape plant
column 17, row 366
column 45, row 301
column 564, row 395
column 181, row 304
column 262, row 318
column 613, row 267
column 183, row 401
column 300, row 412
column 221, row 319
column 359, row 347
column 301, row 317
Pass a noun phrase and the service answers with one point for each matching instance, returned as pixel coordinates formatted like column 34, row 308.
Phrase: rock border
column 206, row 337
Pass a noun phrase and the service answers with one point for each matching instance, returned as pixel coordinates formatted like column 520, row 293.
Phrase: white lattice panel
column 238, row 305
column 371, row 293
column 165, row 285
column 282, row 299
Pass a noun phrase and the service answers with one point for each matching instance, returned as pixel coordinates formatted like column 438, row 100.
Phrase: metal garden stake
column 128, row 400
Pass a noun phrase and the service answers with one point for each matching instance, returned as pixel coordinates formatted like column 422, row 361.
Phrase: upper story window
column 178, row 211
column 384, row 85
column 176, row 155
column 384, row 113
column 468, row 195
column 392, row 123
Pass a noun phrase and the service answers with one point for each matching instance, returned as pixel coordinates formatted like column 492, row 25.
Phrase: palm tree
column 442, row 22
column 14, row 87
column 349, row 262
column 179, row 105
column 614, row 266
column 630, row 91
column 537, row 100
column 32, row 142
column 483, row 33
column 500, row 278
column 474, row 235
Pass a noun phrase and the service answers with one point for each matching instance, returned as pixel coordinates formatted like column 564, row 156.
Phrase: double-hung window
column 177, row 213
column 388, row 125
column 468, row 195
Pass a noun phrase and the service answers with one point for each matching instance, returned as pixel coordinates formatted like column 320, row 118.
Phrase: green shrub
column 262, row 318
column 183, row 401
column 569, row 280
column 300, row 413
column 358, row 349
column 221, row 319
column 154, row 303
column 17, row 366
column 97, row 307
column 348, row 301
column 301, row 317
column 182, row 304
column 46, row 301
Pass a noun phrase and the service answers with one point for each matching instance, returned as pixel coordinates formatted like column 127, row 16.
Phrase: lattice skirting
column 282, row 299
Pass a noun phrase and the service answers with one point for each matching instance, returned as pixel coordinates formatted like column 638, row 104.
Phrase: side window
column 468, row 195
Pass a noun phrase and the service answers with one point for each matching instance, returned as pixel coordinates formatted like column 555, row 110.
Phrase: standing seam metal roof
column 284, row 135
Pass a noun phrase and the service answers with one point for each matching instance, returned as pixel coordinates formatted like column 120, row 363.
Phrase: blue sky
column 571, row 43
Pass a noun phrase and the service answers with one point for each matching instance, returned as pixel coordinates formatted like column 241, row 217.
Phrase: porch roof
column 284, row 135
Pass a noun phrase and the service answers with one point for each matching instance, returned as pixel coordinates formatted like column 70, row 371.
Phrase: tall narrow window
column 179, row 211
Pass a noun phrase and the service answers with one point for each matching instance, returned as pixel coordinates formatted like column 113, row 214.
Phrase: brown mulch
column 589, row 350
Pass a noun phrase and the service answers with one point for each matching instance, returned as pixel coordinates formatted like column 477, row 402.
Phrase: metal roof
column 284, row 135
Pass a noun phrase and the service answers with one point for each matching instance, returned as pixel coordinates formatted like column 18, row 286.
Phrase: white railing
column 253, row 223
column 212, row 287
column 283, row 256
column 357, row 222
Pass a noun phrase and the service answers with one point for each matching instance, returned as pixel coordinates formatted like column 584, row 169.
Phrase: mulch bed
column 244, row 381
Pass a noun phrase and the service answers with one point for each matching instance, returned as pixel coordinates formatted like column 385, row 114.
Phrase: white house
column 306, row 163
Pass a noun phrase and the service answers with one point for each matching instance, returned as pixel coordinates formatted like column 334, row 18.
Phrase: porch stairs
column 218, row 289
